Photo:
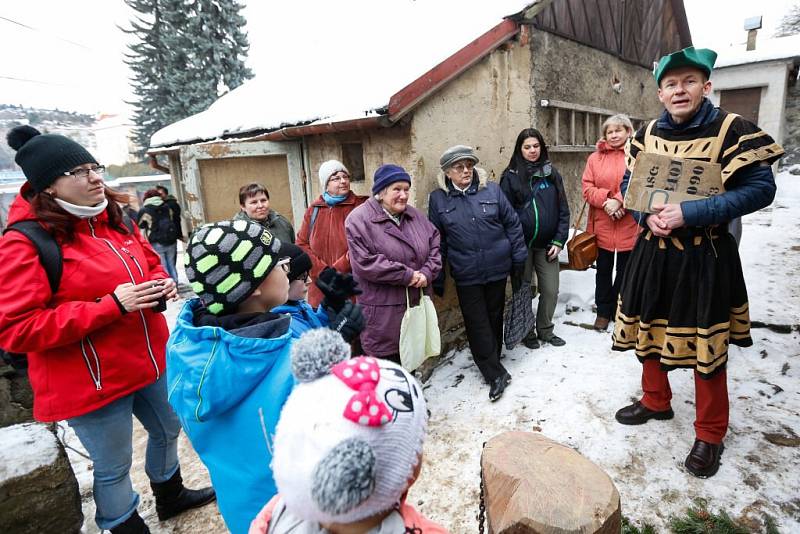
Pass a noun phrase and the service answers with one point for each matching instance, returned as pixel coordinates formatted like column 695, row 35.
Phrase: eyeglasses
column 464, row 166
column 283, row 263
column 338, row 177
column 82, row 174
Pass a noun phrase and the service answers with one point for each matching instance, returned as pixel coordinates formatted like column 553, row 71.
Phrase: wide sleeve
column 749, row 190
column 27, row 324
column 369, row 264
column 592, row 193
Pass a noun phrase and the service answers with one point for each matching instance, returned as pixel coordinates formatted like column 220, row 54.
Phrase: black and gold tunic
column 683, row 298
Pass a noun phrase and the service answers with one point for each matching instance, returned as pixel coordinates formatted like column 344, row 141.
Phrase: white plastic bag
column 419, row 333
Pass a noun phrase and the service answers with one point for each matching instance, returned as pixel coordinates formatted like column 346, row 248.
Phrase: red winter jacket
column 601, row 180
column 83, row 353
column 327, row 244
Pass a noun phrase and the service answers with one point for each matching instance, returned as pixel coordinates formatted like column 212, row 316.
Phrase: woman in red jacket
column 615, row 228
column 322, row 234
column 95, row 341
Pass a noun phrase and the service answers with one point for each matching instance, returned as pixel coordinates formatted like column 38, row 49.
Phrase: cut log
column 38, row 490
column 535, row 485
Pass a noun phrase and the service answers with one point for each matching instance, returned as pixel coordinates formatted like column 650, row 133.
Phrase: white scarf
column 83, row 212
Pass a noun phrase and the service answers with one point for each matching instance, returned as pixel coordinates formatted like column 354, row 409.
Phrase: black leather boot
column 133, row 525
column 172, row 498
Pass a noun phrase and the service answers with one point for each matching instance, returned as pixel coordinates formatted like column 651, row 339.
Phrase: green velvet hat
column 701, row 58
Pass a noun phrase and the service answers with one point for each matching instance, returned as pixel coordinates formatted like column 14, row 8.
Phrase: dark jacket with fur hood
column 481, row 234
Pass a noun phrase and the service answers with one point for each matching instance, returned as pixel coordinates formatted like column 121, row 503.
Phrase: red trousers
column 711, row 400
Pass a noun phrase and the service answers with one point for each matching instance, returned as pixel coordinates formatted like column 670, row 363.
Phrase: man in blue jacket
column 683, row 299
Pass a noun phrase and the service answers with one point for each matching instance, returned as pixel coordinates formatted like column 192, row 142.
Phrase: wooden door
column 212, row 174
column 222, row 178
column 744, row 102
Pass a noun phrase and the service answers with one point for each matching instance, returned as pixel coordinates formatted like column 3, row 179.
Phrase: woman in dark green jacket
column 536, row 191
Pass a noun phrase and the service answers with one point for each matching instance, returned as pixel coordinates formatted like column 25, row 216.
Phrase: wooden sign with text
column 658, row 179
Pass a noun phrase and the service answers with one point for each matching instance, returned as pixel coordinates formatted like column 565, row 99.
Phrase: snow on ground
column 570, row 394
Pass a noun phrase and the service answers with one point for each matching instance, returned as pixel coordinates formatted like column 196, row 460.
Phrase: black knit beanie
column 299, row 261
column 45, row 157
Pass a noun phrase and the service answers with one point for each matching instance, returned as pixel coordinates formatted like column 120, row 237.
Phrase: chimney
column 752, row 25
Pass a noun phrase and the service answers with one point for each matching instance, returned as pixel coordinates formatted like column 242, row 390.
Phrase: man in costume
column 683, row 299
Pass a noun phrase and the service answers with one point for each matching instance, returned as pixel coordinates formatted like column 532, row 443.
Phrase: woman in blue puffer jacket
column 536, row 190
column 483, row 243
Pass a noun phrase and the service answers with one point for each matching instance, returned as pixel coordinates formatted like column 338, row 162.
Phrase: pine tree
column 189, row 52
column 790, row 23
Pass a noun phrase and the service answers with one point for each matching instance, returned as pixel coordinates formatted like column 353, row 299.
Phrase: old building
column 562, row 66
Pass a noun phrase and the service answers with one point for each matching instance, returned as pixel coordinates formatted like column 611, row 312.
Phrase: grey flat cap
column 456, row 153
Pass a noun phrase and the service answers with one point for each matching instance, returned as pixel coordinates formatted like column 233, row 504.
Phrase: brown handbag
column 582, row 248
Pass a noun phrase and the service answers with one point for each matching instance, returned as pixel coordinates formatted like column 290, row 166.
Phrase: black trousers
column 606, row 291
column 482, row 307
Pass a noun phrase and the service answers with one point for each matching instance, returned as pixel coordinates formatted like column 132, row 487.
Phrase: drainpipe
column 154, row 164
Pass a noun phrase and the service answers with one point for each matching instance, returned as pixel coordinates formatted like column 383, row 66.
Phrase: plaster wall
column 772, row 77
column 572, row 72
column 791, row 142
column 382, row 145
column 484, row 108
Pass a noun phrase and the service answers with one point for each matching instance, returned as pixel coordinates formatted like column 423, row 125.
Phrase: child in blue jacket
column 228, row 366
column 304, row 317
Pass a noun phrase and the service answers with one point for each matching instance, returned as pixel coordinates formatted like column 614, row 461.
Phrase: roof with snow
column 335, row 83
column 766, row 50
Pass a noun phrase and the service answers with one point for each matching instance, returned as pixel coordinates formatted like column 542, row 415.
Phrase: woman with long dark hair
column 536, row 191
column 94, row 340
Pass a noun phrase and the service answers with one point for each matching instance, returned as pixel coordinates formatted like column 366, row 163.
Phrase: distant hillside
column 44, row 120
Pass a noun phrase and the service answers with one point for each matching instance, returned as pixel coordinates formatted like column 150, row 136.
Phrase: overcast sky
column 68, row 54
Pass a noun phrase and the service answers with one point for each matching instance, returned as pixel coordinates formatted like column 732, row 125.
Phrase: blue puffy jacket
column 304, row 317
column 540, row 202
column 228, row 383
column 481, row 234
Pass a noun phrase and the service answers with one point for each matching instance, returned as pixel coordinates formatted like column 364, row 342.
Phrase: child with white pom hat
column 348, row 445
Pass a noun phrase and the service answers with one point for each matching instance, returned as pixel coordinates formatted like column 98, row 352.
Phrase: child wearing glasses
column 228, row 367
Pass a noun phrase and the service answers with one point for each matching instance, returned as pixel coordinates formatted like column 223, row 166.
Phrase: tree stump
column 535, row 485
column 38, row 490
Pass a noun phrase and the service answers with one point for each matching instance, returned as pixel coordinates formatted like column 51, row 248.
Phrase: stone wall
column 791, row 140
column 16, row 397
column 572, row 72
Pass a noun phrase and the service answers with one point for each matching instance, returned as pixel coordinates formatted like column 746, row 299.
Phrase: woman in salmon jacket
column 94, row 340
column 615, row 228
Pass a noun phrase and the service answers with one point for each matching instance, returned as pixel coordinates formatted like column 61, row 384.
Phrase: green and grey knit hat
column 226, row 261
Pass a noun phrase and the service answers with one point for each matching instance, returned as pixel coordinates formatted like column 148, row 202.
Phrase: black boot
column 172, row 498
column 133, row 525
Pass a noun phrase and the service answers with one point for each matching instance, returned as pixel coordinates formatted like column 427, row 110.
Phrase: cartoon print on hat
column 350, row 434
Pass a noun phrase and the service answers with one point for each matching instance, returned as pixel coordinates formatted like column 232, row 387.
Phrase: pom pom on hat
column 45, row 157
column 328, row 169
column 20, row 135
column 316, row 352
column 329, row 467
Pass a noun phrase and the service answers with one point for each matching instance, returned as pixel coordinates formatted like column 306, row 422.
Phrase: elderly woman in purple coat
column 392, row 246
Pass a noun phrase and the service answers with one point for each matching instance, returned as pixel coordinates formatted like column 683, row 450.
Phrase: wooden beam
column 571, row 148
column 560, row 104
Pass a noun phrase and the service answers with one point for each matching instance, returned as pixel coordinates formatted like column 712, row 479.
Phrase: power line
column 45, row 32
column 27, row 80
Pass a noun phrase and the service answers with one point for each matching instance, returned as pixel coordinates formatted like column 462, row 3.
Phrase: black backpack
column 53, row 262
column 163, row 229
